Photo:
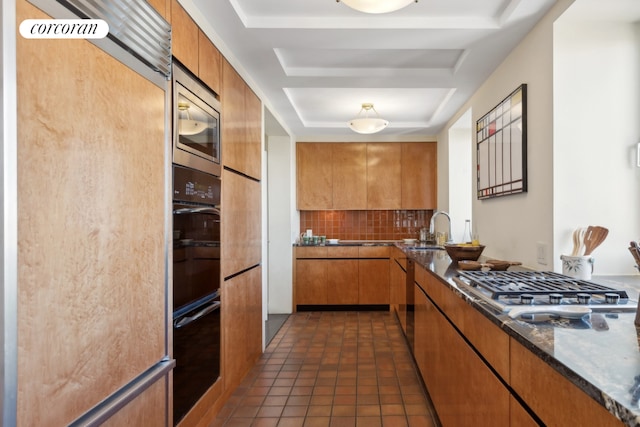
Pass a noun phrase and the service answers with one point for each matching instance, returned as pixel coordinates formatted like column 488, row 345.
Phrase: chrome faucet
column 432, row 224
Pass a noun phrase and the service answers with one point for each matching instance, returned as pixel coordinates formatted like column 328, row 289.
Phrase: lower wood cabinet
column 241, row 325
column 373, row 281
column 398, row 290
column 553, row 398
column 464, row 390
column 343, row 275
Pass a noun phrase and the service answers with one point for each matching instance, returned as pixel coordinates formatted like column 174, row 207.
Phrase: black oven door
column 196, row 348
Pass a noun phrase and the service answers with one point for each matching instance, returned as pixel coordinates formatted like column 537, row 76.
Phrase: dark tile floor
column 332, row 369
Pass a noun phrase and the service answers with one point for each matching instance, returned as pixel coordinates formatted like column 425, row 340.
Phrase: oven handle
column 199, row 209
column 187, row 320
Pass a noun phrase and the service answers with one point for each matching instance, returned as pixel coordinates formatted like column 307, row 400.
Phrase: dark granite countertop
column 352, row 243
column 604, row 363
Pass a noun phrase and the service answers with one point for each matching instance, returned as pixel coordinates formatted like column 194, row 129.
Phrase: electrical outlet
column 542, row 251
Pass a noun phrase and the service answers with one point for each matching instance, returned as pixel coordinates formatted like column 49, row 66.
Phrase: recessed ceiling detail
column 315, row 62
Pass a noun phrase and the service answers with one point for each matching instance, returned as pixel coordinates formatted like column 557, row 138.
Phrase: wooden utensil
column 578, row 238
column 593, row 237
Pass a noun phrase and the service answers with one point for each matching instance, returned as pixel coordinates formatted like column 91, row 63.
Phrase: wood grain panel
column 311, row 281
column 384, row 175
column 373, row 281
column 342, row 251
column 184, row 37
column 312, row 252
column 241, row 219
column 519, row 417
column 342, row 281
column 161, row 7
column 253, row 122
column 552, row 397
column 314, row 176
column 209, row 63
column 148, row 409
column 241, row 124
column 91, row 310
column 464, row 390
column 349, row 162
column 419, row 175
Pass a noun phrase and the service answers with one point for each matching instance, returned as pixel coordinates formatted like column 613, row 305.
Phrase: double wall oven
column 196, row 241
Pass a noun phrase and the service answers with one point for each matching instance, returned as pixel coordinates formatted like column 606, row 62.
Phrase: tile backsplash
column 365, row 225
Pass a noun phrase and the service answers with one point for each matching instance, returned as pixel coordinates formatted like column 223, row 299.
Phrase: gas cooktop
column 507, row 289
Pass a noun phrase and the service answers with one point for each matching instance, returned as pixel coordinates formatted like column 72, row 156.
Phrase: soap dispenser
column 466, row 237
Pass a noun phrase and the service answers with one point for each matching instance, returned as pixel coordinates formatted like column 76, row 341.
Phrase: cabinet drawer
column 343, row 252
column 373, row 251
column 311, row 252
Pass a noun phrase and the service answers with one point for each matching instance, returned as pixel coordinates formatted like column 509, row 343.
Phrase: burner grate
column 515, row 283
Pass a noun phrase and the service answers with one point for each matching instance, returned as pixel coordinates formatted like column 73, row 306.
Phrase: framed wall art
column 501, row 145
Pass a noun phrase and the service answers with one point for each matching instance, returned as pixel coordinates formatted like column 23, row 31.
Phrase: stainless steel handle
column 201, row 210
column 638, row 155
column 180, row 323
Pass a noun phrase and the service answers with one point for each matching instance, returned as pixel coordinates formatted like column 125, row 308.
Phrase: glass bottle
column 466, row 237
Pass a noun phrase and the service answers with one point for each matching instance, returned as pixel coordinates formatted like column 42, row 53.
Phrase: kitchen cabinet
column 242, row 325
column 209, row 63
column 241, row 238
column 553, row 398
column 184, row 37
column 384, row 175
column 398, row 286
column 419, row 175
column 91, row 295
column 163, row 7
column 349, row 162
column 314, row 176
column 311, row 282
column 360, row 176
column 191, row 46
column 241, row 124
column 464, row 390
column 341, row 275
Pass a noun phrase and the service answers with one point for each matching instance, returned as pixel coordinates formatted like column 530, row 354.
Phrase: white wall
column 511, row 226
column 280, row 181
column 461, row 184
column 597, row 106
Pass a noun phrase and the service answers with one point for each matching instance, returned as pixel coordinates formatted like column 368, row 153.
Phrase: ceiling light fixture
column 366, row 124
column 377, row 6
column 188, row 126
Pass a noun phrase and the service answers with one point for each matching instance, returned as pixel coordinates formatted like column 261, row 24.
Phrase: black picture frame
column 501, row 147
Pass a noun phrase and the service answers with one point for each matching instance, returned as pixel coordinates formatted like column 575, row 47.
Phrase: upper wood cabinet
column 209, row 63
column 241, row 124
column 349, row 163
column 162, row 6
column 193, row 48
column 359, row 176
column 184, row 37
column 419, row 175
column 314, row 176
column 384, row 175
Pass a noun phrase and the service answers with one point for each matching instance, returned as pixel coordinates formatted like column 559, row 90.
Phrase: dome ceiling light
column 188, row 126
column 366, row 124
column 377, row 6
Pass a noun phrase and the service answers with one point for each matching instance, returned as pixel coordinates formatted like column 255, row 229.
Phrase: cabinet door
column 552, row 397
column 241, row 221
column 398, row 292
column 311, row 282
column 184, row 37
column 419, row 175
column 384, row 175
column 349, row 163
column 209, row 63
column 241, row 318
column 252, row 153
column 342, row 281
column 314, row 177
column 161, row 6
column 373, row 281
column 457, row 380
